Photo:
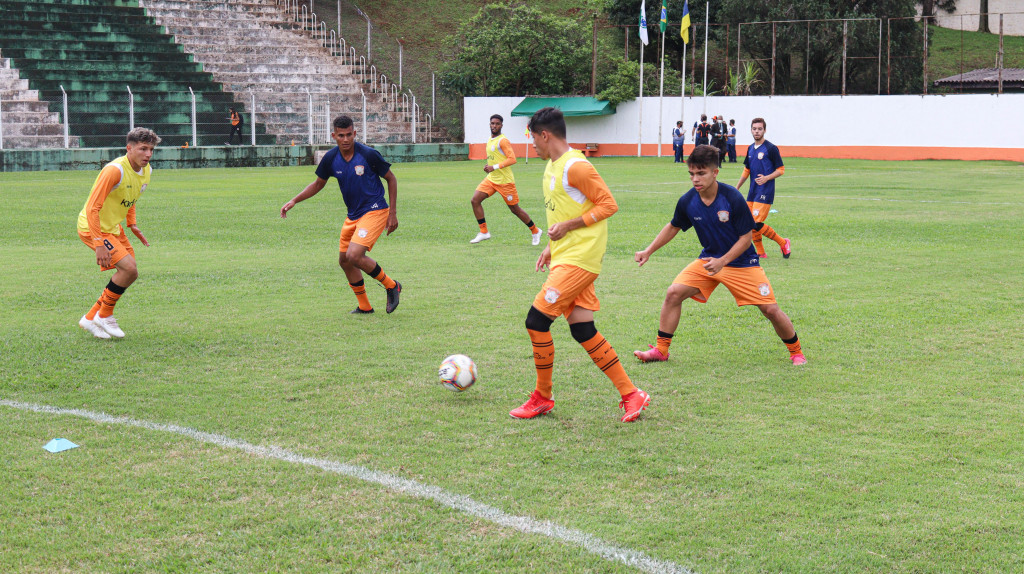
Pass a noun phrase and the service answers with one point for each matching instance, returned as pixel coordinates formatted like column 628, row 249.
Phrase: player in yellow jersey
column 500, row 159
column 578, row 203
column 112, row 200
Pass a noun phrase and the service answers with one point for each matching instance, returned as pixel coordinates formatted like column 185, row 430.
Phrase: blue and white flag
column 643, row 22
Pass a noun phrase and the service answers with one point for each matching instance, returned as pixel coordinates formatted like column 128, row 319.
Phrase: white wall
column 1012, row 10
column 963, row 120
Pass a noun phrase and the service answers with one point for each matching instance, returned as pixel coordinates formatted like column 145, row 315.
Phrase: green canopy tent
column 575, row 106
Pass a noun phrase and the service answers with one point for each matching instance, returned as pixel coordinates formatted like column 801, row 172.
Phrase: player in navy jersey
column 358, row 169
column 764, row 164
column 723, row 222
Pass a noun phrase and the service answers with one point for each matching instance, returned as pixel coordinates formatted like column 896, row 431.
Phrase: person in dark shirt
column 722, row 220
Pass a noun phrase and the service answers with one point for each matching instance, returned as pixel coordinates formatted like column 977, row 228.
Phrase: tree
column 624, row 84
column 930, row 7
column 983, row 19
column 514, row 50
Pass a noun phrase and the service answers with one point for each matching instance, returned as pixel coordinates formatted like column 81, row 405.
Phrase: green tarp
column 581, row 106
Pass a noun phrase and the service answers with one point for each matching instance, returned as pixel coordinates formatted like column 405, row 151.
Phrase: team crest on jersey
column 764, row 289
column 359, row 170
column 361, row 232
column 760, row 155
column 756, row 211
column 143, row 187
column 552, row 295
column 510, row 198
column 552, row 187
column 723, row 216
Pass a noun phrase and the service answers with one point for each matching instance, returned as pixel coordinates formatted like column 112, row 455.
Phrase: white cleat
column 535, row 238
column 480, row 237
column 93, row 328
column 109, row 324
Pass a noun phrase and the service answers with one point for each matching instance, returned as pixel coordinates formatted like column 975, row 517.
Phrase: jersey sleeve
column 130, row 216
column 377, row 162
column 510, row 154
column 105, row 183
column 585, row 178
column 746, row 161
column 775, row 156
column 323, row 170
column 741, row 218
column 680, row 219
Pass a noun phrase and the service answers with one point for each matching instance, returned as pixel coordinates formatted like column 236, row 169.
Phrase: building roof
column 985, row 78
column 570, row 106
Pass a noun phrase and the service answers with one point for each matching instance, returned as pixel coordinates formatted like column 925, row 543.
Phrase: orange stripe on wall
column 479, row 151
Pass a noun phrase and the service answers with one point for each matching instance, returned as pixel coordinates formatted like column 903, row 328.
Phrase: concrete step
column 29, row 105
column 107, row 67
column 32, row 142
column 12, row 128
column 56, row 55
column 11, row 84
column 18, row 95
column 30, row 117
column 264, row 68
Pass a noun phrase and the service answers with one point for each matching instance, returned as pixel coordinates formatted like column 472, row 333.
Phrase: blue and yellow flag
column 685, row 31
column 664, row 17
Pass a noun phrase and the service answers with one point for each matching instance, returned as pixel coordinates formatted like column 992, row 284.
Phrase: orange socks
column 360, row 290
column 108, row 299
column 793, row 345
column 533, row 228
column 767, row 231
column 92, row 312
column 607, row 360
column 663, row 342
column 483, row 225
column 543, row 359
column 379, row 275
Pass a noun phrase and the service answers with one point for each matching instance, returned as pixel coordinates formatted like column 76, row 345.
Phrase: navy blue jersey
column 719, row 225
column 762, row 160
column 359, row 178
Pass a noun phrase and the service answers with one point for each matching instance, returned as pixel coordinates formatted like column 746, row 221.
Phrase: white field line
column 464, row 504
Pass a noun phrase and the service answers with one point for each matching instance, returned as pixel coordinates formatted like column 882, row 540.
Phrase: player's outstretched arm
column 666, row 234
column 138, row 233
column 311, row 190
column 392, row 182
column 544, row 261
column 743, row 178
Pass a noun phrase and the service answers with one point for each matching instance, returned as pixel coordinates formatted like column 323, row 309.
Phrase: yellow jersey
column 581, row 193
column 113, row 198
column 499, row 153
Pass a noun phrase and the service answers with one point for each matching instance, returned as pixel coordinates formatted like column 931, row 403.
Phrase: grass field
column 897, row 448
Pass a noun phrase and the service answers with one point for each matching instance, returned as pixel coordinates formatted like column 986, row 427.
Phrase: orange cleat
column 634, row 403
column 537, row 405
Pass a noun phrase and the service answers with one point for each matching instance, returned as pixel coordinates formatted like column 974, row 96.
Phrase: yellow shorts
column 363, row 231
column 117, row 244
column 748, row 285
column 759, row 210
column 566, row 288
column 506, row 190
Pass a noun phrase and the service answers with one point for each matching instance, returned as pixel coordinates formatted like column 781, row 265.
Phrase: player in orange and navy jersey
column 358, row 169
column 112, row 200
column 500, row 159
column 578, row 205
column 724, row 225
column 764, row 162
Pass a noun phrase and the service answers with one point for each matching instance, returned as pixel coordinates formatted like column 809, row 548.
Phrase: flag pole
column 640, row 107
column 707, row 6
column 661, row 93
column 682, row 93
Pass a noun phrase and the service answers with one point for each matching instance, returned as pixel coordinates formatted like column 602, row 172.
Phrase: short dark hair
column 550, row 119
column 759, row 121
column 679, row 123
column 342, row 122
column 731, row 122
column 498, row 117
column 703, row 156
column 703, row 117
column 143, row 135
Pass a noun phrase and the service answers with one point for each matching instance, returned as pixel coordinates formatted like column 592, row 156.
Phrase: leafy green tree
column 624, row 83
column 515, row 50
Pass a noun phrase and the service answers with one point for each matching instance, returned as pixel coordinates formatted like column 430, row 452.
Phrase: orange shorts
column 117, row 244
column 566, row 288
column 363, row 231
column 748, row 285
column 506, row 190
column 759, row 210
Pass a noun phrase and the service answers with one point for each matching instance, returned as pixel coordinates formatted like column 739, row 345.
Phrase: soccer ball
column 457, row 372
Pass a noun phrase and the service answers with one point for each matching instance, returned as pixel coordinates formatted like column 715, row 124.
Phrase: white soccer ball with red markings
column 457, row 373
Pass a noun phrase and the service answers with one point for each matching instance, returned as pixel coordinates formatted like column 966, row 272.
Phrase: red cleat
column 798, row 359
column 534, row 407
column 786, row 249
column 634, row 403
column 654, row 354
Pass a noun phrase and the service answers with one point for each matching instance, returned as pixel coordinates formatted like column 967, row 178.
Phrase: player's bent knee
column 583, row 332
column 537, row 321
column 677, row 293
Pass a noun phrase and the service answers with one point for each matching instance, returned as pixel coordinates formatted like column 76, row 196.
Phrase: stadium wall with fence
column 960, row 126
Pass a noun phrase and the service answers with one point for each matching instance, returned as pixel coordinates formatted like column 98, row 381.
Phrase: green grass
column 978, row 50
column 896, row 449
